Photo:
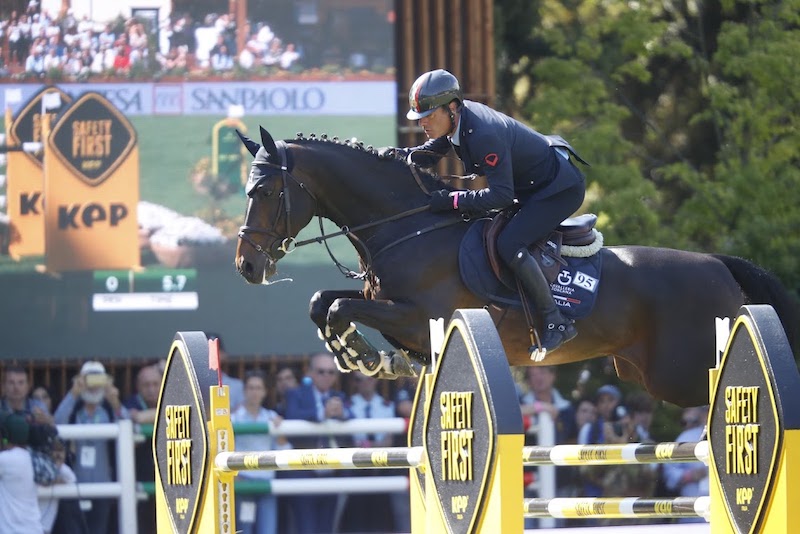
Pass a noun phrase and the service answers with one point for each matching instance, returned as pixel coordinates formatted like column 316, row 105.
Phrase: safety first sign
column 91, row 166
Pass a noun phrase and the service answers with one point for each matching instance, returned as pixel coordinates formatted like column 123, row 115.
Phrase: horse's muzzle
column 255, row 272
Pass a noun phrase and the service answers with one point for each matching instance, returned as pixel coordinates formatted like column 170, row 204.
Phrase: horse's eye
column 265, row 192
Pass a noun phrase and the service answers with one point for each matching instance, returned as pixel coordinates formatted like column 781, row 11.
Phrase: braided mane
column 358, row 146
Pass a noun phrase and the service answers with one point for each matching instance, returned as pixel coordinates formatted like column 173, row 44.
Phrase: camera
column 96, row 380
column 619, row 413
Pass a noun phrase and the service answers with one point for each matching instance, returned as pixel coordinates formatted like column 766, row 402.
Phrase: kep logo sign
column 92, row 189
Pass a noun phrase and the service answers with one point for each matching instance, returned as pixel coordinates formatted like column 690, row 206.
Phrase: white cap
column 93, row 367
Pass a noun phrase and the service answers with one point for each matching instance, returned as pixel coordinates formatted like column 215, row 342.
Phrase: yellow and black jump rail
column 466, row 452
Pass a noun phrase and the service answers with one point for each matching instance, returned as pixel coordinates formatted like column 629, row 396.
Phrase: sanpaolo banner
column 368, row 98
column 91, row 181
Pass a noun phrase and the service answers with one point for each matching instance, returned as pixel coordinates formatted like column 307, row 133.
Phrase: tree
column 687, row 110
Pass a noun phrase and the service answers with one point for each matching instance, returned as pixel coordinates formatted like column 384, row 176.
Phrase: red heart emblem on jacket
column 491, row 159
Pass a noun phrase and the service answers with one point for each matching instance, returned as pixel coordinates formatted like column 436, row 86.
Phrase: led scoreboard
column 148, row 289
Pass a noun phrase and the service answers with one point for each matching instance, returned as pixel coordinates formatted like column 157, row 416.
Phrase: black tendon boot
column 556, row 328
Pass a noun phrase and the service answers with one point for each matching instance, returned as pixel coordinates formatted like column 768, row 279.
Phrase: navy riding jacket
column 517, row 160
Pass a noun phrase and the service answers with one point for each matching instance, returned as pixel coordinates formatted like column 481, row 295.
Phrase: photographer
column 93, row 399
column 41, row 430
column 16, row 390
column 19, row 510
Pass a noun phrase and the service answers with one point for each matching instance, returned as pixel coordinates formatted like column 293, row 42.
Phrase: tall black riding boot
column 556, row 328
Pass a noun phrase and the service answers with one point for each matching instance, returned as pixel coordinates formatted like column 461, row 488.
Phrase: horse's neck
column 356, row 198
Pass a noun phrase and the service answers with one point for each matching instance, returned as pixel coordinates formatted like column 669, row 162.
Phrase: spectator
column 16, row 388
column 15, row 42
column 631, row 425
column 289, row 57
column 42, row 394
column 109, row 58
column 285, row 379
column 570, row 482
column 221, row 60
column 317, row 401
column 107, row 37
column 367, row 513
column 51, row 62
column 122, row 60
column 85, row 24
column 93, row 399
column 26, row 38
column 404, row 394
column 542, row 396
column 689, row 479
column 19, row 510
column 35, row 62
column 585, row 413
column 252, row 53
column 256, row 514
column 265, row 34
column 640, row 407
column 272, row 56
column 607, row 399
column 141, row 407
column 140, row 51
column 67, row 509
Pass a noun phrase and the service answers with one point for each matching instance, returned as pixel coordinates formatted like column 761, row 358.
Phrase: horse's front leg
column 402, row 322
column 318, row 311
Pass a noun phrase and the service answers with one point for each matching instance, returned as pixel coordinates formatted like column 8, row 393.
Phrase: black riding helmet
column 431, row 90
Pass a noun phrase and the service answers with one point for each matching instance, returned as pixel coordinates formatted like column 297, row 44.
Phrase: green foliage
column 688, row 112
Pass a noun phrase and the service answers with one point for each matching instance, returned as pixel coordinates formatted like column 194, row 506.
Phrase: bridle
column 282, row 245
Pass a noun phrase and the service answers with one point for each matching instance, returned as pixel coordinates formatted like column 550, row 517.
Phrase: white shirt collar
column 456, row 139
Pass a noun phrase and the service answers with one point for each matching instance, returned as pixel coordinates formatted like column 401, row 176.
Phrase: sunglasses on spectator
column 325, row 371
column 690, row 422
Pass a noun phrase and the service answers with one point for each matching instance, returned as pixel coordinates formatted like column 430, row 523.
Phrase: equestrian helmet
column 431, row 90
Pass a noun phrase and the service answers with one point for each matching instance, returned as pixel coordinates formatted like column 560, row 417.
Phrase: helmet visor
column 416, row 115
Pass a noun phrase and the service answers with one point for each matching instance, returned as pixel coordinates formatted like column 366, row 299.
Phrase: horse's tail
column 762, row 287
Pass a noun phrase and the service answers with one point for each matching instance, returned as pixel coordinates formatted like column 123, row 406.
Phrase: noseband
column 281, row 245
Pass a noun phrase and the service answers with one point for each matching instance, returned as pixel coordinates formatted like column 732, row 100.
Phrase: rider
column 518, row 162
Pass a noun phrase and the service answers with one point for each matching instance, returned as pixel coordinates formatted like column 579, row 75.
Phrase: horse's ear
column 268, row 141
column 251, row 145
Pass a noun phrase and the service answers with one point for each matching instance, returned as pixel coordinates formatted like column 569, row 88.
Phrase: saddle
column 574, row 231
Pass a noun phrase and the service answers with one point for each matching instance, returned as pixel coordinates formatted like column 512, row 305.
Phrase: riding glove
column 441, row 201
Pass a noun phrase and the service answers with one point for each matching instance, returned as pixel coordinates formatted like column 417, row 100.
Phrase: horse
column 654, row 311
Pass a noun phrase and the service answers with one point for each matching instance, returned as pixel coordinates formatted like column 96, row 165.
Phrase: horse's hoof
column 400, row 364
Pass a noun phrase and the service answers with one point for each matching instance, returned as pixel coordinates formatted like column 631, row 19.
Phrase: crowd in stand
column 605, row 415
column 37, row 44
column 315, row 392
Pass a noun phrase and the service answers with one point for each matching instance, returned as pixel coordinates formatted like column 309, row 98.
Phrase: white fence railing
column 124, row 489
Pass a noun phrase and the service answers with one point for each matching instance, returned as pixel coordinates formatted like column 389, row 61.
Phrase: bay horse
column 654, row 310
